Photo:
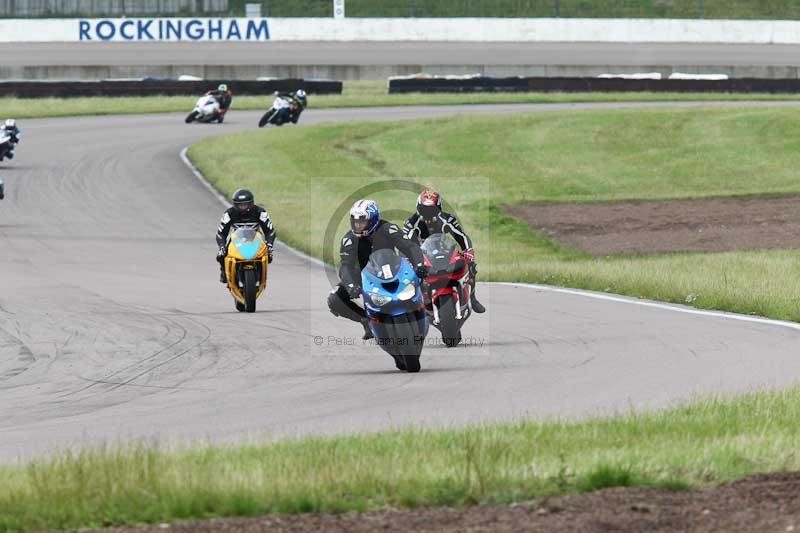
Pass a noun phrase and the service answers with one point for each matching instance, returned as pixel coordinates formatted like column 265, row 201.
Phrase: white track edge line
column 550, row 288
column 654, row 304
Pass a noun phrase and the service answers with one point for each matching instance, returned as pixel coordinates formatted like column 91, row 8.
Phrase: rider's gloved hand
column 421, row 271
column 469, row 255
column 353, row 291
column 269, row 253
column 222, row 252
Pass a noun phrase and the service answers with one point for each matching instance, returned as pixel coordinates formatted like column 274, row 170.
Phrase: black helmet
column 243, row 200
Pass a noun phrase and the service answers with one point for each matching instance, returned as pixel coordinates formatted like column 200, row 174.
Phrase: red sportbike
column 447, row 288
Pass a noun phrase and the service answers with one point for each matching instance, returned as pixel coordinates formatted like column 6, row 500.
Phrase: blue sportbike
column 394, row 305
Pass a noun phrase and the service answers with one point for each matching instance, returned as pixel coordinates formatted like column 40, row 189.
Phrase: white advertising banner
column 401, row 29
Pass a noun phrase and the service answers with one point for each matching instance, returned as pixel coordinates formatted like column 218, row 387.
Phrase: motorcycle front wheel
column 265, row 119
column 250, row 291
column 448, row 323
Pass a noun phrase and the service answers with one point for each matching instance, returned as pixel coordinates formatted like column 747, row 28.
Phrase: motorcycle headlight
column 379, row 299
column 408, row 292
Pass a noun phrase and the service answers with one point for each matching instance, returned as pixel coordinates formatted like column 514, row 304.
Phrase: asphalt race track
column 113, row 324
column 396, row 53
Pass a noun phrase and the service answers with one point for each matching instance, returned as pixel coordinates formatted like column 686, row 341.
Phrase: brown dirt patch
column 642, row 227
column 768, row 502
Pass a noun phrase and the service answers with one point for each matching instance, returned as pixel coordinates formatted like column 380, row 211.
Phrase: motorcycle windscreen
column 439, row 248
column 384, row 264
column 248, row 241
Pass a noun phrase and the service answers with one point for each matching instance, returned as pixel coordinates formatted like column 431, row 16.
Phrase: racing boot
column 476, row 305
column 367, row 332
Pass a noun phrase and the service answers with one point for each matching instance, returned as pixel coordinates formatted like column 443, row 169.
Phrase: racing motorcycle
column 278, row 114
column 246, row 265
column 206, row 110
column 447, row 287
column 394, row 305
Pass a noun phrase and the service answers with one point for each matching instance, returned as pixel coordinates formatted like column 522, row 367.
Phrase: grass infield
column 484, row 163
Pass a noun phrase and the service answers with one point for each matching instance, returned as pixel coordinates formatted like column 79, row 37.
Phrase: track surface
column 395, row 53
column 113, row 324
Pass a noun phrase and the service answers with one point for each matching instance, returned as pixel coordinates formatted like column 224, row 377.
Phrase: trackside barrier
column 39, row 89
column 571, row 85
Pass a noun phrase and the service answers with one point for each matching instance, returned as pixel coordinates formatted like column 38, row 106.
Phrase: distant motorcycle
column 246, row 265
column 279, row 114
column 447, row 287
column 206, row 110
column 6, row 145
column 393, row 302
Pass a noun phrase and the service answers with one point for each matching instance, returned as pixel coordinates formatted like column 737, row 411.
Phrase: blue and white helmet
column 364, row 218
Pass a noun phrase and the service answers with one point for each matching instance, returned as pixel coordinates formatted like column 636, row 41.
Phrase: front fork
column 457, row 295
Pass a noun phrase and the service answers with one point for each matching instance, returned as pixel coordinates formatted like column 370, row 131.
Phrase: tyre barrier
column 571, row 85
column 159, row 87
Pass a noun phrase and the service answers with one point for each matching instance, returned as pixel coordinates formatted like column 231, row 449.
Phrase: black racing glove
column 222, row 252
column 353, row 291
column 269, row 254
column 421, row 271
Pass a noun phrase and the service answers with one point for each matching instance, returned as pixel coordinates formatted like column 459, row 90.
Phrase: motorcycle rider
column 302, row 102
column 224, row 97
column 429, row 219
column 10, row 127
column 245, row 211
column 298, row 101
column 368, row 232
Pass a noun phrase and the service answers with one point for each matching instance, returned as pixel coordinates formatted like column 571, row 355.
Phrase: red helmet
column 429, row 204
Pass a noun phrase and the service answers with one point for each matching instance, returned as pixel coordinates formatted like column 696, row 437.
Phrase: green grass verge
column 708, row 442
column 355, row 94
column 481, row 163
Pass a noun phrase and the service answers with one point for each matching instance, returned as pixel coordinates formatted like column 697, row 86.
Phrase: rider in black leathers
column 429, row 219
column 244, row 210
column 10, row 127
column 224, row 97
column 298, row 101
column 368, row 233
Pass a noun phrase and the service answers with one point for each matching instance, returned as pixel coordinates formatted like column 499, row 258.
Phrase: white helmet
column 11, row 123
column 300, row 93
column 222, row 87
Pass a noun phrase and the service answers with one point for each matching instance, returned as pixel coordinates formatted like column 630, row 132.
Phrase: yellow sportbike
column 246, row 265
